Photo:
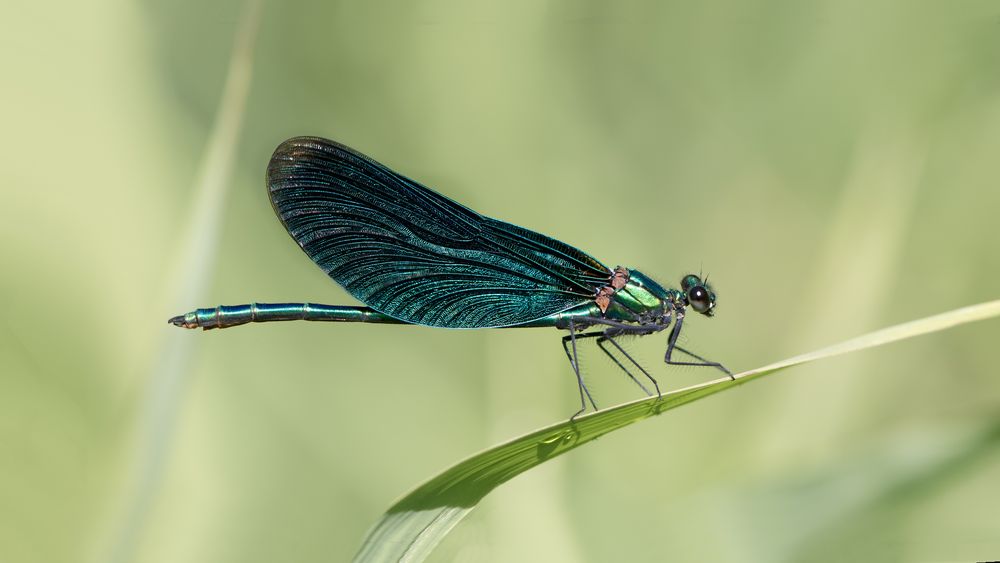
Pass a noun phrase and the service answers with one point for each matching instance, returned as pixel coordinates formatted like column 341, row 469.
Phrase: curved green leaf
column 412, row 527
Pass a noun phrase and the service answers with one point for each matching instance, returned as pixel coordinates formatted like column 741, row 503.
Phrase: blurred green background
column 832, row 165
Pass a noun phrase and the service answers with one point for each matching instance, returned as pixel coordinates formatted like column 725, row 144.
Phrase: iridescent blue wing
column 413, row 254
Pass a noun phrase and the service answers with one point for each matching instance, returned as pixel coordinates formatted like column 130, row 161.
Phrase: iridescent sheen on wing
column 415, row 255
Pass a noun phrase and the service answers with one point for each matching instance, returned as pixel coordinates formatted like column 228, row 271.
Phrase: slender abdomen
column 226, row 316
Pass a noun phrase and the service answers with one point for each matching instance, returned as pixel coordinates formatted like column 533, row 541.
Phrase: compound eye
column 689, row 281
column 699, row 298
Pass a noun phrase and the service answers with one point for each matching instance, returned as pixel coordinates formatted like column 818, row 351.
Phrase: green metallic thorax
column 640, row 296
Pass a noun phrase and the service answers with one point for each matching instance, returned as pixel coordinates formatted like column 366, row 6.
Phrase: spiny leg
column 672, row 344
column 606, row 338
column 576, row 369
column 705, row 362
column 601, row 337
column 600, row 343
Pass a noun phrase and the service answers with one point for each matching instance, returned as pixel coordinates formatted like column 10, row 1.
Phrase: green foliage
column 412, row 527
column 832, row 165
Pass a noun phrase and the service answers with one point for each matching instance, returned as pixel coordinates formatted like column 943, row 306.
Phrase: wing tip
column 287, row 152
column 290, row 148
column 305, row 146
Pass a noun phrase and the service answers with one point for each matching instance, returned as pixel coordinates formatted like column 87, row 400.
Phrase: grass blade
column 412, row 527
column 167, row 375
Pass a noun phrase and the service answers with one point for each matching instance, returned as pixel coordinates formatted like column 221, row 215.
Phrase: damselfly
column 414, row 256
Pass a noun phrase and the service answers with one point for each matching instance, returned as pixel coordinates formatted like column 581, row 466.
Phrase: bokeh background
column 832, row 165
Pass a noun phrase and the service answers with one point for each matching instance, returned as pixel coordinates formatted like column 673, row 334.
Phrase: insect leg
column 607, row 338
column 573, row 360
column 704, row 361
column 672, row 344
